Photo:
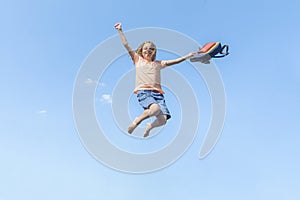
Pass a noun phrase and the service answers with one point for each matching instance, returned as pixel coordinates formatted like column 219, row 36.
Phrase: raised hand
column 118, row 26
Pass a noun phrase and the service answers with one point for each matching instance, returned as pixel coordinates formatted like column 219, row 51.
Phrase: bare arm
column 131, row 52
column 179, row 60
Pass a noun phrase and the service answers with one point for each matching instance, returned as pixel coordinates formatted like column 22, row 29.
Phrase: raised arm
column 179, row 60
column 131, row 52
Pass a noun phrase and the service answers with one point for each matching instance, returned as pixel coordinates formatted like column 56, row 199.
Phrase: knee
column 154, row 109
column 163, row 119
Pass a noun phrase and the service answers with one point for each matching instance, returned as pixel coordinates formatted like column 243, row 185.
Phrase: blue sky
column 44, row 43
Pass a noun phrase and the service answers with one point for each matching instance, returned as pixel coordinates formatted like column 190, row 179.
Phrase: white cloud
column 40, row 112
column 102, row 84
column 106, row 98
column 90, row 81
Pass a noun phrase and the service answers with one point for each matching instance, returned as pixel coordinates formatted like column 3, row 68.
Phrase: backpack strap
column 226, row 47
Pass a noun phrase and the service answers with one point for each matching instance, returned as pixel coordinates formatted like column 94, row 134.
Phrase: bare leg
column 153, row 110
column 159, row 121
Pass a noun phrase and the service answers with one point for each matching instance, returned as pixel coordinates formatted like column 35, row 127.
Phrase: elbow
column 126, row 45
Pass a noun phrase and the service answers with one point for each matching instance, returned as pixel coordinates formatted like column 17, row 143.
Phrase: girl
column 148, row 82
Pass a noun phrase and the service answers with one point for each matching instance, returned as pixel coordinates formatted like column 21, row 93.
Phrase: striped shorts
column 148, row 97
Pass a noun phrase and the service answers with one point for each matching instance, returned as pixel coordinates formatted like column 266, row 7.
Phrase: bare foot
column 133, row 125
column 147, row 131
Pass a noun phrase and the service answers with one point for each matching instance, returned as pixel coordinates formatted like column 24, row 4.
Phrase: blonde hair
column 140, row 49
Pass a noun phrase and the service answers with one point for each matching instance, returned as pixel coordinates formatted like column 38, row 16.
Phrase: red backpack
column 210, row 50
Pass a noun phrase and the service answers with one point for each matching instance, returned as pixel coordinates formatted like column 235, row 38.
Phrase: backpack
column 210, row 50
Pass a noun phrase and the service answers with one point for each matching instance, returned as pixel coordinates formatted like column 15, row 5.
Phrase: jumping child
column 148, row 82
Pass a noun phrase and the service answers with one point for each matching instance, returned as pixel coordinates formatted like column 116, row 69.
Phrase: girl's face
column 148, row 51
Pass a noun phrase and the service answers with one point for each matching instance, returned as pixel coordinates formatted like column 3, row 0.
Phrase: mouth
column 148, row 54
